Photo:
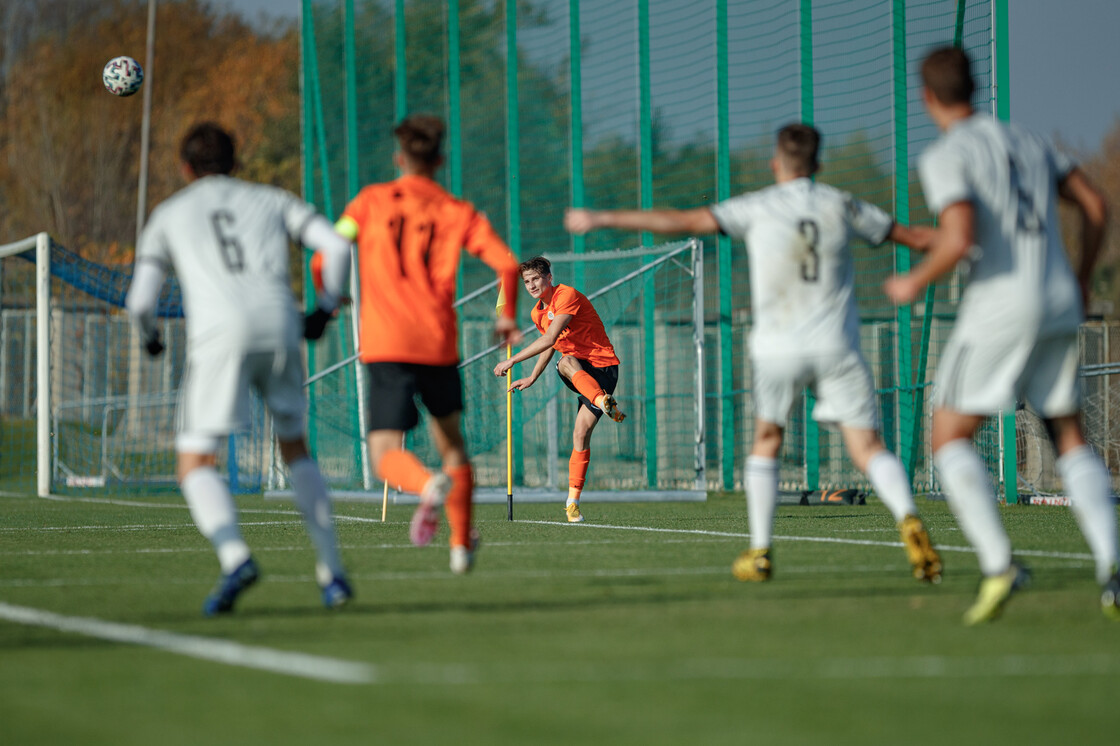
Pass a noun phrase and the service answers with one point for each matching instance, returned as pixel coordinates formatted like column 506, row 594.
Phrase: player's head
column 947, row 76
column 418, row 139
column 208, row 149
column 536, row 273
column 798, row 148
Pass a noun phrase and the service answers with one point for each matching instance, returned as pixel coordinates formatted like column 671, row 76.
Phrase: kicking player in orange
column 409, row 234
column 588, row 366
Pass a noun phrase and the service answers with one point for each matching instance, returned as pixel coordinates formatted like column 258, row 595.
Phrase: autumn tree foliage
column 70, row 151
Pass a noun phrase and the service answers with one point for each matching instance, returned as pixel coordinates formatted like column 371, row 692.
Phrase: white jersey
column 228, row 242
column 802, row 276
column 1019, row 278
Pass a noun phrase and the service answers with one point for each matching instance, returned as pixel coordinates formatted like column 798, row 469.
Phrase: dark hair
column 419, row 136
column 798, row 146
column 208, row 149
column 537, row 264
column 947, row 74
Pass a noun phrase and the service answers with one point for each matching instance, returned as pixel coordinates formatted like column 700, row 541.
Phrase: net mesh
column 658, row 103
column 646, row 299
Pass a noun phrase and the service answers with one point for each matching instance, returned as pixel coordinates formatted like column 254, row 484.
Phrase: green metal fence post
column 353, row 184
column 314, row 134
column 812, row 430
column 575, row 74
column 904, row 314
column 649, row 298
column 723, row 248
column 513, row 137
column 454, row 103
column 400, row 79
column 1003, row 112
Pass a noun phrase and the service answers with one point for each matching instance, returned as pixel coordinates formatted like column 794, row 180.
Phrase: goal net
column 651, row 302
column 83, row 408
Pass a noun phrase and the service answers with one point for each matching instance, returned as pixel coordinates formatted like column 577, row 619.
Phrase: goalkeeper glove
column 315, row 323
column 153, row 345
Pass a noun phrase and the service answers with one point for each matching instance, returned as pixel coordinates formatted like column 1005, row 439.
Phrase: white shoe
column 462, row 559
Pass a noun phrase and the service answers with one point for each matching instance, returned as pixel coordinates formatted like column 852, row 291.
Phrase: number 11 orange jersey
column 409, row 234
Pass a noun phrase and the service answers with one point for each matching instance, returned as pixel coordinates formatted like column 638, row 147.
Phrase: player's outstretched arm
column 916, row 237
column 951, row 243
column 1077, row 189
column 695, row 221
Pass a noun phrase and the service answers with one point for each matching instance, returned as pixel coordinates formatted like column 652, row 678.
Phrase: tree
column 70, row 153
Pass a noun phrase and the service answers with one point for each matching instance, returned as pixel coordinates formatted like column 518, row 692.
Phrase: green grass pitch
column 626, row 629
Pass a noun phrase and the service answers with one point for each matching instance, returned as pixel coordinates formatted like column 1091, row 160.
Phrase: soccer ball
column 122, row 76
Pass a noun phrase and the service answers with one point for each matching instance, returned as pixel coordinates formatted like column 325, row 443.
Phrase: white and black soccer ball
column 122, row 76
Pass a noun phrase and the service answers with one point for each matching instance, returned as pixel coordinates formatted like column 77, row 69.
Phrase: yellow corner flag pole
column 509, row 415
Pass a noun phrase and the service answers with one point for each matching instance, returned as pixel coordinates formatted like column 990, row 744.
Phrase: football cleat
column 610, row 407
column 425, row 521
column 229, row 587
column 753, row 566
column 1110, row 597
column 995, row 590
column 337, row 593
column 574, row 516
column 923, row 557
column 462, row 558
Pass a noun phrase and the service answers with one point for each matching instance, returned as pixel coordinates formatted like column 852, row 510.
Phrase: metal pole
column 146, row 123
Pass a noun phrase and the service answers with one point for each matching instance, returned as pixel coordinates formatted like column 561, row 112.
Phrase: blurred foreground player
column 995, row 189
column 806, row 329
column 410, row 235
column 568, row 323
column 227, row 241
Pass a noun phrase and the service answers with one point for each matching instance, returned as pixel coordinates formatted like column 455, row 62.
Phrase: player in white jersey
column 806, row 328
column 227, row 241
column 995, row 189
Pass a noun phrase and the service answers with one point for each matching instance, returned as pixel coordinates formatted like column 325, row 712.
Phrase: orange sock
column 458, row 505
column 403, row 469
column 586, row 385
column 577, row 473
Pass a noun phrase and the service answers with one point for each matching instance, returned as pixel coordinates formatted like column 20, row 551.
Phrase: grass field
column 626, row 629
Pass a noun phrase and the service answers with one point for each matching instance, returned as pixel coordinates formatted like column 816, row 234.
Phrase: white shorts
column 214, row 395
column 983, row 378
column 842, row 384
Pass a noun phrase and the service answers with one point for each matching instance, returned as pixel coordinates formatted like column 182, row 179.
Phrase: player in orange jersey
column 588, row 366
column 409, row 234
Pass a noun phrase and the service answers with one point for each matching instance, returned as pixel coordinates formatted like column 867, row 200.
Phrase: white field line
column 228, row 652
column 811, row 539
column 768, row 669
column 339, row 671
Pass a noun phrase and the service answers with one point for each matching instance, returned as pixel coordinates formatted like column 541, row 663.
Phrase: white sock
column 891, row 484
column 215, row 515
column 315, row 505
column 1090, row 491
column 969, row 489
column 761, row 480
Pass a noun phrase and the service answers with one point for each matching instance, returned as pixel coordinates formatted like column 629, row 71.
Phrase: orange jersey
column 584, row 337
column 410, row 233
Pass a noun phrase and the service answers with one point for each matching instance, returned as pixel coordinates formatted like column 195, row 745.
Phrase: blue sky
column 1064, row 59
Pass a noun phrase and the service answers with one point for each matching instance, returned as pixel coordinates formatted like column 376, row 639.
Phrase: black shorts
column 393, row 388
column 606, row 377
